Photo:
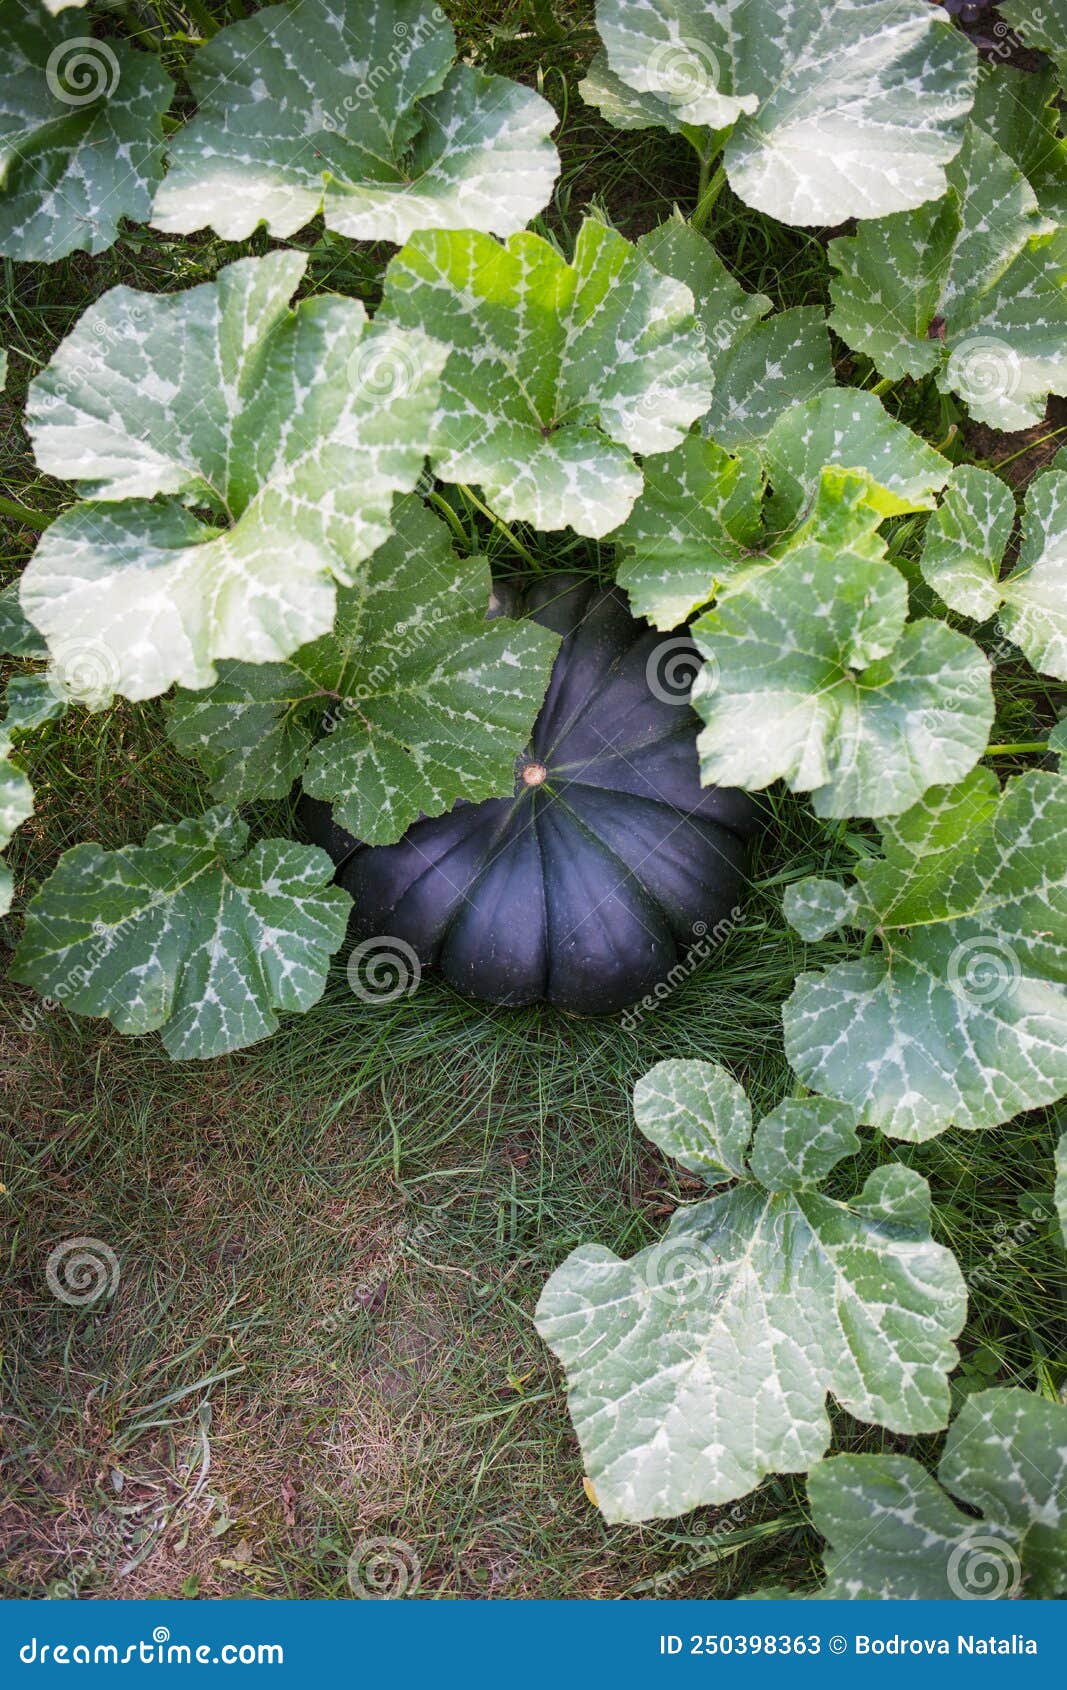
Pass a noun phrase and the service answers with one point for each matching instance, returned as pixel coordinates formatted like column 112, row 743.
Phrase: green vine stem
column 709, row 191
column 501, row 527
column 451, row 517
column 1016, row 750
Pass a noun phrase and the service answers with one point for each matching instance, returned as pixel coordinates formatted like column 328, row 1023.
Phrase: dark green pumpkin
column 590, row 884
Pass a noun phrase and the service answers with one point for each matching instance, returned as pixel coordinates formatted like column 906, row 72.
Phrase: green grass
column 329, row 1247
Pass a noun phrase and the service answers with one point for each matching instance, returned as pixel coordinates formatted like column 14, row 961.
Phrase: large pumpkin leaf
column 895, row 1534
column 760, row 368
column 187, row 933
column 699, row 517
column 698, row 520
column 704, row 1361
column 850, row 110
column 970, row 289
column 959, row 1017
column 81, row 134
column 1020, row 110
column 354, row 109
column 966, row 539
column 425, row 701
column 964, row 548
column 559, row 372
column 811, row 675
column 853, row 430
column 292, row 430
column 775, row 365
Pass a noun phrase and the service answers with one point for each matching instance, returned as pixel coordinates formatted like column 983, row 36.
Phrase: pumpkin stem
column 535, row 774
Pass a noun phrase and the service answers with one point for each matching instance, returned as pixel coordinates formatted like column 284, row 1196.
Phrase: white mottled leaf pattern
column 966, row 539
column 850, row 110
column 1043, row 24
column 622, row 105
column 31, row 701
column 354, row 109
column 964, row 547
column 558, row 372
column 423, row 700
column 18, row 638
column 1033, row 611
column 16, row 806
column 704, row 1361
column 16, row 793
column 895, row 1533
column 760, row 368
column 697, row 1113
column 1020, row 110
column 853, row 430
column 292, row 429
column 811, row 675
column 81, row 135
column 776, row 365
column 970, row 289
column 189, row 933
column 959, row 1016
column 697, row 521
column 816, row 907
